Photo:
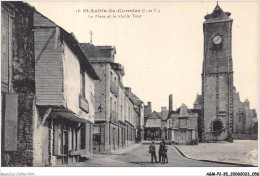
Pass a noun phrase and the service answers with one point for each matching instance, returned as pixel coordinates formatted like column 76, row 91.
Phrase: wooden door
column 183, row 137
column 189, row 134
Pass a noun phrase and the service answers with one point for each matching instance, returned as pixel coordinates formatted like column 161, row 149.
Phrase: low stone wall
column 245, row 136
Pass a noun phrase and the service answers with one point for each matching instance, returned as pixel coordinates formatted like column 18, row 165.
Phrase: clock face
column 217, row 39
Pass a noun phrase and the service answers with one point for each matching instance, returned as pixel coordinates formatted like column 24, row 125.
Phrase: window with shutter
column 11, row 122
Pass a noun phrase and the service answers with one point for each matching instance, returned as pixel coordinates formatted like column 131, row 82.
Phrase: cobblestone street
column 139, row 157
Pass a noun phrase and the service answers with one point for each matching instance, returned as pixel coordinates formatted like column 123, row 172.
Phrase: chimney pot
column 170, row 103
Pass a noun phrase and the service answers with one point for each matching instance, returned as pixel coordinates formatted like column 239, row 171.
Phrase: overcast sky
column 162, row 51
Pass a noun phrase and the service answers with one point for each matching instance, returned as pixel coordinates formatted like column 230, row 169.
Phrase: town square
column 145, row 84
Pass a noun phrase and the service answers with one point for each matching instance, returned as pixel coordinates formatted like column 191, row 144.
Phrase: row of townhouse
column 184, row 125
column 59, row 104
column 119, row 115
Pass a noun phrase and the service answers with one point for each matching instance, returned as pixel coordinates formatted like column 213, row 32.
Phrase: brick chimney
column 170, row 103
column 163, row 109
column 149, row 104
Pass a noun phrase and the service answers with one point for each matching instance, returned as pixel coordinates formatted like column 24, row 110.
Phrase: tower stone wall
column 217, row 77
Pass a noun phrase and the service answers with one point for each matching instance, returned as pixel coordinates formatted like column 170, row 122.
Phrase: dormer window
column 217, row 15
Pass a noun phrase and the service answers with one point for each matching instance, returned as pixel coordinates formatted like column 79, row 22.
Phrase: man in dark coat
column 161, row 152
column 165, row 149
column 152, row 150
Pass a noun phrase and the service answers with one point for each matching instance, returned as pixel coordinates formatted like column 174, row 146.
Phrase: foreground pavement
column 139, row 157
column 240, row 151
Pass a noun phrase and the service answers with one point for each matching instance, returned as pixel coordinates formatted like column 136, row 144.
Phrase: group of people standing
column 162, row 153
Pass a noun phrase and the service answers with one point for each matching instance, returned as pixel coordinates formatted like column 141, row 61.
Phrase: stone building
column 221, row 109
column 245, row 119
column 48, row 98
column 138, row 114
column 182, row 126
column 217, row 77
column 197, row 109
column 17, row 84
column 115, row 114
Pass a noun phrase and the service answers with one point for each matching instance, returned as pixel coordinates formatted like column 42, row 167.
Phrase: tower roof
column 183, row 110
column 198, row 99
column 246, row 101
column 217, row 15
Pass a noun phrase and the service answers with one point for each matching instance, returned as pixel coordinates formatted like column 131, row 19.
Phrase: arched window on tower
column 217, row 125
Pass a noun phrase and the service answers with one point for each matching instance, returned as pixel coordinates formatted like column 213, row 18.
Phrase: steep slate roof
column 246, row 101
column 183, row 110
column 179, row 110
column 90, row 50
column 198, row 99
column 163, row 114
column 94, row 51
column 217, row 15
column 154, row 115
column 135, row 99
column 154, row 120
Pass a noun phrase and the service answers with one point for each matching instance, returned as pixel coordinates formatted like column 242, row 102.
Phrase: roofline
column 92, row 71
column 81, row 54
column 217, row 21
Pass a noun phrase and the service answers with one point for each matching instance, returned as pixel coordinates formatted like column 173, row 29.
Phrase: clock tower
column 217, row 77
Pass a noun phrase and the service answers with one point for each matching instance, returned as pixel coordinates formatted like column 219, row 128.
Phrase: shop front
column 182, row 136
column 153, row 134
column 99, row 138
column 70, row 138
column 121, row 134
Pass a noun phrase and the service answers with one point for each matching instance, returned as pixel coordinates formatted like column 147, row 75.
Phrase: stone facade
column 118, row 112
column 182, row 126
column 245, row 119
column 18, row 84
column 222, row 113
column 45, row 105
column 217, row 77
column 138, row 115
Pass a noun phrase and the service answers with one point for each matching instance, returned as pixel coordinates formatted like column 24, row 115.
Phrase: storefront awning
column 67, row 114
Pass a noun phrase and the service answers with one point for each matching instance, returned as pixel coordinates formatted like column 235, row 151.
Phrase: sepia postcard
column 129, row 84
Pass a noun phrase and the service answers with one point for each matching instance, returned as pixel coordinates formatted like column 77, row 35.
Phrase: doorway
column 114, row 138
column 183, row 137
